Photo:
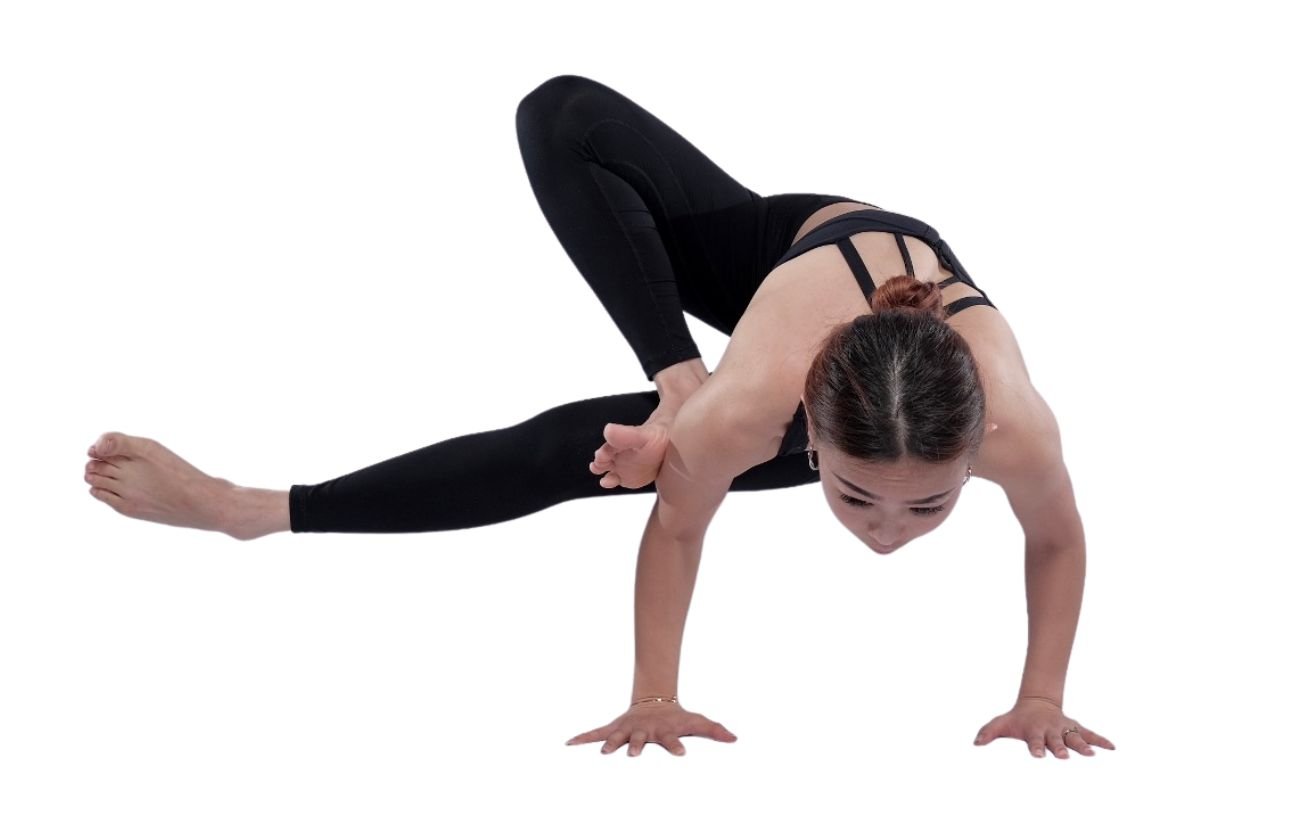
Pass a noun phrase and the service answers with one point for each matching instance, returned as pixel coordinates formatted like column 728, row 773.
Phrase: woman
column 894, row 375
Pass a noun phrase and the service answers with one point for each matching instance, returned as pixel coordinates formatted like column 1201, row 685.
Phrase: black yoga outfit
column 657, row 230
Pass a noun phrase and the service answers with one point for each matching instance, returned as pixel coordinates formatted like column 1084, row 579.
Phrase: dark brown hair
column 897, row 382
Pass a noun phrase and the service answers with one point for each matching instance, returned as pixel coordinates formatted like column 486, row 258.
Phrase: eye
column 860, row 503
column 928, row 511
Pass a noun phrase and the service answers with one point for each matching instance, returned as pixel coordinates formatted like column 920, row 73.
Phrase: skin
column 771, row 347
column 770, row 352
column 890, row 520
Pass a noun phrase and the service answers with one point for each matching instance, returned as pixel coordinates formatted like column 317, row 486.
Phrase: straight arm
column 666, row 569
column 710, row 441
column 1054, row 594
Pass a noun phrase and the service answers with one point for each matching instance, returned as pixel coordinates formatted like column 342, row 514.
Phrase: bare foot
column 632, row 455
column 143, row 479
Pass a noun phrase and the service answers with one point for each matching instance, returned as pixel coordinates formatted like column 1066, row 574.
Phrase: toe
column 103, row 446
column 106, row 467
column 101, row 481
column 111, row 443
column 108, row 497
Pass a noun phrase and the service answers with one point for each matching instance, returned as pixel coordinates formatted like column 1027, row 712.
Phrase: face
column 892, row 516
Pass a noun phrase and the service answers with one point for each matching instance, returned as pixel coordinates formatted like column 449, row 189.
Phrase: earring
column 812, row 458
column 969, row 470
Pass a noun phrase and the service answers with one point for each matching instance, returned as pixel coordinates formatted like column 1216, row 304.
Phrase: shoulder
column 772, row 345
column 1024, row 456
column 711, row 424
column 1027, row 433
column 711, row 441
column 1025, row 459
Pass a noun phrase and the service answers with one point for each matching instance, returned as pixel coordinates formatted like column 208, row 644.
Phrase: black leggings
column 656, row 229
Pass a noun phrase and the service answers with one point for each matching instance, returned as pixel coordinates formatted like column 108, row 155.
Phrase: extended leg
column 493, row 476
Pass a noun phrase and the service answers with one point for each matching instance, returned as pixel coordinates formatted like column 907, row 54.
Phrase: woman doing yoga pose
column 861, row 355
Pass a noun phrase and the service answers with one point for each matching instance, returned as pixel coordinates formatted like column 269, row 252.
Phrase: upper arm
column 1030, row 467
column 712, row 441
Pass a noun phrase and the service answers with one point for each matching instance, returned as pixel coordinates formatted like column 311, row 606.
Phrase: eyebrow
column 870, row 495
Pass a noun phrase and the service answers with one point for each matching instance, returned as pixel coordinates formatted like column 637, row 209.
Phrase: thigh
column 613, row 130
column 701, row 213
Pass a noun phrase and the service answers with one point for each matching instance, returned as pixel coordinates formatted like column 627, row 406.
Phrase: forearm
column 679, row 381
column 1054, row 592
column 666, row 569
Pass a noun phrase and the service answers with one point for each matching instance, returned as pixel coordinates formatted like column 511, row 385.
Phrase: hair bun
column 905, row 292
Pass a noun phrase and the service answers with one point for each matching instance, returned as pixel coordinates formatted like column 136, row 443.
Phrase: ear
column 812, row 442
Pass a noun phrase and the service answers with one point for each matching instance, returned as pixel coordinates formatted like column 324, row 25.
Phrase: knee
column 551, row 105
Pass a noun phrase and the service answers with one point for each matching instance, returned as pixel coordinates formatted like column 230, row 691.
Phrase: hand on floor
column 664, row 723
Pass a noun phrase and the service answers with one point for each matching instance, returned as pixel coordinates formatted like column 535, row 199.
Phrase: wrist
column 654, row 699
column 1053, row 700
column 653, row 685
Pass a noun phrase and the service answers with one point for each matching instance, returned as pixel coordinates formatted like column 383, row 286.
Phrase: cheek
column 925, row 524
column 849, row 517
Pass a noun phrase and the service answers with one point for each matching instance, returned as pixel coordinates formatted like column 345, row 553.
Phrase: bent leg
column 494, row 476
column 627, row 196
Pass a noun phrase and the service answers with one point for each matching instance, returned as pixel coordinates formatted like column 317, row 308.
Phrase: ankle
column 250, row 513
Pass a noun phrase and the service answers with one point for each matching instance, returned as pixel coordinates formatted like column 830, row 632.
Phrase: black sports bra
column 837, row 231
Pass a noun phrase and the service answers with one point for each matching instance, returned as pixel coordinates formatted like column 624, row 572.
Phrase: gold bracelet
column 671, row 700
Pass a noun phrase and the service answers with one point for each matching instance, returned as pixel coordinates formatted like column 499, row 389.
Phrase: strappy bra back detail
column 837, row 230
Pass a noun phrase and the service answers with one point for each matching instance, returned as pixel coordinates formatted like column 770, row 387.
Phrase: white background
column 288, row 240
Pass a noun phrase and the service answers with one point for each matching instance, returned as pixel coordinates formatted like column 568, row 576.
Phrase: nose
column 885, row 542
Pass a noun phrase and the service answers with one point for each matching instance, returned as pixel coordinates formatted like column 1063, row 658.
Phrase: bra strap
column 907, row 257
column 856, row 264
column 964, row 303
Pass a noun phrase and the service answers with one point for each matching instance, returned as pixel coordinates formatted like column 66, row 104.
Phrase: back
column 837, row 231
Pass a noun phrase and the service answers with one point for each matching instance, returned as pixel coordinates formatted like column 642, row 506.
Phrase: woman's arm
column 1028, row 463
column 710, row 443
